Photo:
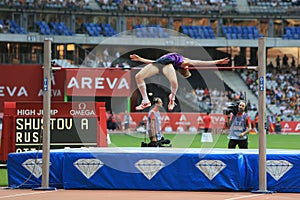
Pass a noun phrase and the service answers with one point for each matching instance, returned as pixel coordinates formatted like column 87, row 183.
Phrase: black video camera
column 161, row 143
column 233, row 108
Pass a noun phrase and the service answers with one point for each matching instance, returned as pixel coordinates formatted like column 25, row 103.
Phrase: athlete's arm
column 201, row 63
column 135, row 57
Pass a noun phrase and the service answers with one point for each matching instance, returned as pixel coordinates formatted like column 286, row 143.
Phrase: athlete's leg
column 148, row 71
column 170, row 74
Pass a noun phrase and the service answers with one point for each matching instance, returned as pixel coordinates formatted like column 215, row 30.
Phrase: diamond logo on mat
column 277, row 168
column 34, row 166
column 149, row 167
column 88, row 167
column 210, row 168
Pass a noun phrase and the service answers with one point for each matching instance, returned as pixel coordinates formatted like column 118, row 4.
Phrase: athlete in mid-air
column 168, row 64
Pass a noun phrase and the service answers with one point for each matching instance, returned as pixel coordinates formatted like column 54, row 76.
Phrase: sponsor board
column 182, row 121
column 97, row 82
column 290, row 127
column 25, row 83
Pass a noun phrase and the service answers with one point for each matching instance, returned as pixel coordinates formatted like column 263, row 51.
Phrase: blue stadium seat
column 291, row 33
column 224, row 30
column 297, row 29
column 241, row 32
column 234, row 36
column 285, row 37
column 234, row 29
column 296, row 36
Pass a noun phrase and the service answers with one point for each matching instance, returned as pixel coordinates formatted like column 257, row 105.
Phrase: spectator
column 6, row 26
column 270, row 65
column 106, row 55
column 293, row 63
column 285, row 60
column 278, row 127
column 111, row 121
column 207, row 123
column 278, row 61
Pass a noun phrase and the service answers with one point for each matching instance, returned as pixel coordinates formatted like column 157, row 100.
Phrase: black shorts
column 161, row 62
column 164, row 61
column 242, row 144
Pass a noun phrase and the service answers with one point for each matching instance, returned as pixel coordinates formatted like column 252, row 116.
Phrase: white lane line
column 244, row 197
column 25, row 194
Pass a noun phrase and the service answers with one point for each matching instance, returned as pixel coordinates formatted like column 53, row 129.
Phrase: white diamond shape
column 149, row 167
column 88, row 167
column 34, row 166
column 210, row 168
column 277, row 168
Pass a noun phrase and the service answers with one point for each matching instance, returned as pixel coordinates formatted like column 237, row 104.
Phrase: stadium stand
column 241, row 32
column 262, row 6
column 152, row 31
column 198, row 32
column 62, row 4
column 291, row 33
column 10, row 26
column 44, row 28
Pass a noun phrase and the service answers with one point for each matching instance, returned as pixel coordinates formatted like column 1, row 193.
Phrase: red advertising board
column 97, row 82
column 185, row 121
column 25, row 83
column 290, row 127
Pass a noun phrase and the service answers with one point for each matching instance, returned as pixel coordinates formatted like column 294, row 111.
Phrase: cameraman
column 239, row 126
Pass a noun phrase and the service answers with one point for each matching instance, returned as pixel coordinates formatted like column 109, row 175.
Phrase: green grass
column 3, row 177
column 219, row 141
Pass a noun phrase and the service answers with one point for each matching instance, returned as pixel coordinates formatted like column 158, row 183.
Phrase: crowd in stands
column 274, row 3
column 214, row 100
column 171, row 5
column 204, row 6
column 153, row 5
column 130, row 5
column 282, row 87
column 68, row 4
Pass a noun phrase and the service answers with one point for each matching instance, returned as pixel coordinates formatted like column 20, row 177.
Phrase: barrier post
column 262, row 115
column 46, row 116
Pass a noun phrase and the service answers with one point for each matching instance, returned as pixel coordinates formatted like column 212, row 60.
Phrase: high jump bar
column 216, row 68
column 223, row 68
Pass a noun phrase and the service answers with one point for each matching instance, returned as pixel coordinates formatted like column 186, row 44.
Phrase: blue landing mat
column 157, row 169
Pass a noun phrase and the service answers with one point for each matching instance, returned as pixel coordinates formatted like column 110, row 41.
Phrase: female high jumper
column 167, row 64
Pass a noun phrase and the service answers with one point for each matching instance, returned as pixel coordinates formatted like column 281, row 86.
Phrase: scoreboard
column 72, row 124
column 64, row 132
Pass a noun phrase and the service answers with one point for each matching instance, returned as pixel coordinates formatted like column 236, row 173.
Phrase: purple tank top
column 174, row 58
